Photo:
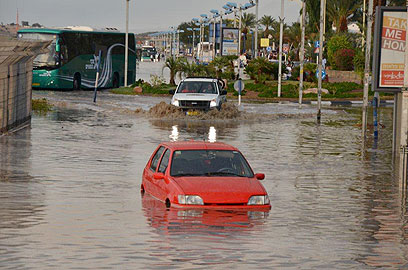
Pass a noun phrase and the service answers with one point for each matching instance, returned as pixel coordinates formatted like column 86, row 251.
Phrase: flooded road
column 70, row 192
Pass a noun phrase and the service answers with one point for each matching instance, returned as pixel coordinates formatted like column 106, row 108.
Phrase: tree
column 248, row 20
column 267, row 21
column 174, row 65
column 339, row 12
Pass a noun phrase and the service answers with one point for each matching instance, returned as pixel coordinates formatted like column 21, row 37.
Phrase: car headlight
column 213, row 103
column 259, row 200
column 190, row 199
column 175, row 102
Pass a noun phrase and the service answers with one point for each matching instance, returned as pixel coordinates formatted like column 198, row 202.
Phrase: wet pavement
column 70, row 191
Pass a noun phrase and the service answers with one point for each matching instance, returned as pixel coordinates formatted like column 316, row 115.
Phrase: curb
column 351, row 102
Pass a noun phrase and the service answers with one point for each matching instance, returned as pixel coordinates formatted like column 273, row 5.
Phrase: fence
column 16, row 66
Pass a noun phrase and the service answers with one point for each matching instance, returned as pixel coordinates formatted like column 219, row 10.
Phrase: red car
column 198, row 174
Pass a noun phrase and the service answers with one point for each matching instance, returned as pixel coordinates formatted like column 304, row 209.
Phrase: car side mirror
column 171, row 92
column 158, row 175
column 224, row 92
column 260, row 176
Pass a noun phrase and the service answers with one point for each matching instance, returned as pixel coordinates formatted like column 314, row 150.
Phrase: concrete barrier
column 16, row 71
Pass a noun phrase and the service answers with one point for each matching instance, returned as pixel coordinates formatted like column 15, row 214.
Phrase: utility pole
column 319, row 83
column 214, row 37
column 364, row 22
column 126, row 42
column 281, row 18
column 367, row 66
column 256, row 30
column 239, row 42
column 302, row 51
column 220, row 52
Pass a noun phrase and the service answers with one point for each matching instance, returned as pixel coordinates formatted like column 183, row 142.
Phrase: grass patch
column 41, row 105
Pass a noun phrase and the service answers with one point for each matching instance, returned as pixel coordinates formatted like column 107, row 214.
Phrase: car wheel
column 77, row 82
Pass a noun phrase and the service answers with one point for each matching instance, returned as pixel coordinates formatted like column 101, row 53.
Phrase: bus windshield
column 48, row 60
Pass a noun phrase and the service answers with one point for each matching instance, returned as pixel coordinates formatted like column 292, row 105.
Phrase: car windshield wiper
column 223, row 174
column 186, row 174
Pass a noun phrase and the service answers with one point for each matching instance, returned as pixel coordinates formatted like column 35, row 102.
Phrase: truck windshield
column 197, row 87
column 48, row 60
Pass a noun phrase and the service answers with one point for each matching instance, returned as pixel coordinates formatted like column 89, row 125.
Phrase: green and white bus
column 71, row 60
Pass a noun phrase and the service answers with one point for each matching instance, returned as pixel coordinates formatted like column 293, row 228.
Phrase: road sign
column 264, row 42
column 239, row 86
column 316, row 50
column 317, row 44
column 323, row 74
column 269, row 49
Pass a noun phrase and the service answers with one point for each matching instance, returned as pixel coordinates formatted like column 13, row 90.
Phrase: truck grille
column 194, row 104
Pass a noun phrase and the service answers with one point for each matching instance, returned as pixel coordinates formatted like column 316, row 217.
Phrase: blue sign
column 323, row 74
column 269, row 49
column 317, row 44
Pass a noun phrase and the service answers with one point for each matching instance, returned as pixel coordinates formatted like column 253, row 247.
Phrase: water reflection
column 21, row 197
column 169, row 221
column 198, row 130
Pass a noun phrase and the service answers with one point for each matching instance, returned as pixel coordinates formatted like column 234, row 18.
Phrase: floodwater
column 70, row 191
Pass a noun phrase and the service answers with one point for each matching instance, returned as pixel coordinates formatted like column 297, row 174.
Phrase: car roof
column 198, row 145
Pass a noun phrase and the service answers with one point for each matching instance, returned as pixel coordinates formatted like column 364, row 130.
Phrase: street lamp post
column 215, row 15
column 367, row 66
column 319, row 82
column 256, row 30
column 281, row 18
column 126, row 42
column 302, row 52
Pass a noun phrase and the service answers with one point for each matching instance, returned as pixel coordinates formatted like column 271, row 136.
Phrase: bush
column 310, row 72
column 336, row 43
column 359, row 61
column 296, row 73
column 341, row 88
column 344, row 59
column 261, row 70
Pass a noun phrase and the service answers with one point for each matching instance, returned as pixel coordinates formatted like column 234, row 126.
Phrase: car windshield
column 197, row 87
column 209, row 163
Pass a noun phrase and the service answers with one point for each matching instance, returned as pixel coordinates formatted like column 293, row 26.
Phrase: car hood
column 194, row 96
column 225, row 190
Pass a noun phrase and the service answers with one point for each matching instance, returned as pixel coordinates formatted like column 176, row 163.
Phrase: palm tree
column 313, row 15
column 339, row 12
column 248, row 20
column 174, row 66
column 293, row 36
column 266, row 21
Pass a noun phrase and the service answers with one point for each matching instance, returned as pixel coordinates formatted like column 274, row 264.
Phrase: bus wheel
column 115, row 80
column 77, row 81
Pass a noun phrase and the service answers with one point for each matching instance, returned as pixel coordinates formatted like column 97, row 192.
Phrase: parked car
column 202, row 174
column 199, row 94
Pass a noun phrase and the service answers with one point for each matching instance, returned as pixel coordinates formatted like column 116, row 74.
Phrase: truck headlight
column 259, row 200
column 175, row 102
column 213, row 103
column 190, row 199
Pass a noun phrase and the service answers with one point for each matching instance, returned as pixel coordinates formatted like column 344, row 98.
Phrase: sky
column 144, row 16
